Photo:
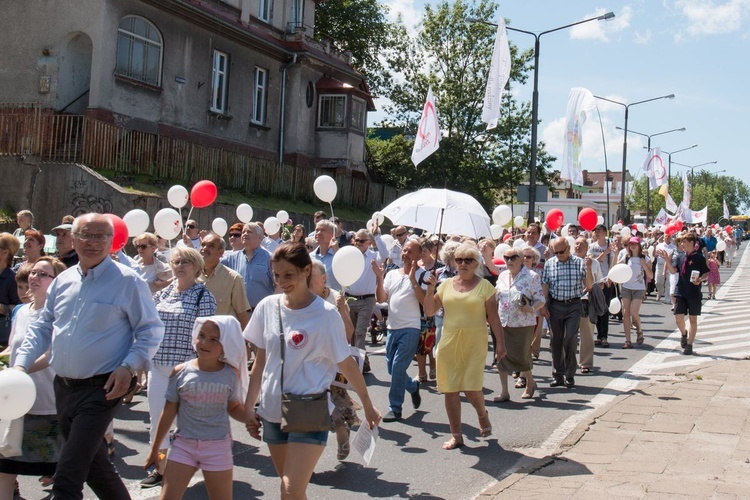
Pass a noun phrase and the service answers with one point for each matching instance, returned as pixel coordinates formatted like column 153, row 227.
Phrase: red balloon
column 507, row 237
column 554, row 219
column 678, row 225
column 587, row 219
column 728, row 229
column 203, row 194
column 670, row 229
column 120, row 234
column 498, row 261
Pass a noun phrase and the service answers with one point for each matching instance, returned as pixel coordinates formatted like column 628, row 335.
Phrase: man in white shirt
column 400, row 234
column 191, row 236
column 400, row 288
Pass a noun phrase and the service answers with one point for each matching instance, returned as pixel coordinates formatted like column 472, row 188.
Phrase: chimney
column 585, row 174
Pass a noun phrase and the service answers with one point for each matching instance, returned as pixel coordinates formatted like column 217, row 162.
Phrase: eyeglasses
column 465, row 260
column 191, row 226
column 92, row 237
column 398, row 235
column 511, row 258
column 178, row 263
column 40, row 274
column 561, row 252
column 529, row 257
column 359, row 240
column 235, row 235
column 142, row 247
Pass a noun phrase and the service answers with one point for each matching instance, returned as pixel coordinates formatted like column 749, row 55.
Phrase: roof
column 328, row 84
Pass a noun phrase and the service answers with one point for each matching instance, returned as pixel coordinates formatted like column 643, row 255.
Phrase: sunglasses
column 398, row 235
column 561, row 252
column 465, row 260
column 40, row 274
column 358, row 240
column 235, row 235
column 142, row 247
column 529, row 257
column 511, row 258
column 191, row 226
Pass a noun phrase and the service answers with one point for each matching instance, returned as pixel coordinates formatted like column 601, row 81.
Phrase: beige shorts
column 626, row 293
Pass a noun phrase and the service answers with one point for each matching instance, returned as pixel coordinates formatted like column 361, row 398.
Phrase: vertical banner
column 726, row 209
column 428, row 133
column 685, row 189
column 653, row 166
column 580, row 103
column 497, row 77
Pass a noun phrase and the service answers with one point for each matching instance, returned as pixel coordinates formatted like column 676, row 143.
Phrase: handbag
column 426, row 336
column 302, row 412
column 11, row 437
column 5, row 326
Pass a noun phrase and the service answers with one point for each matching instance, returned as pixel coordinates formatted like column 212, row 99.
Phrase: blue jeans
column 400, row 348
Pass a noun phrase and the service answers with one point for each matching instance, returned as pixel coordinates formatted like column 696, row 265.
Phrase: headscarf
column 235, row 354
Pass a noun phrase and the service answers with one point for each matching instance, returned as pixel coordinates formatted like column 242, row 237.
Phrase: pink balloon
column 203, row 194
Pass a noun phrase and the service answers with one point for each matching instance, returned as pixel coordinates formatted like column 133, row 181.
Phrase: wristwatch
column 128, row 368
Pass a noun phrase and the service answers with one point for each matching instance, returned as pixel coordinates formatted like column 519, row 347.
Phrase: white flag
column 428, row 133
column 497, row 77
column 726, row 209
column 695, row 217
column 671, row 205
column 653, row 166
column 580, row 103
column 685, row 189
column 661, row 218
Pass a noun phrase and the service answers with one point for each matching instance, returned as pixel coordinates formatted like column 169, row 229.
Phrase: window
column 359, row 114
column 555, row 194
column 259, row 96
column 332, row 111
column 139, row 50
column 298, row 7
column 264, row 10
column 219, row 77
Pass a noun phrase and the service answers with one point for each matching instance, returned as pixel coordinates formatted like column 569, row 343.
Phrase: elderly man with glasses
column 565, row 279
column 253, row 263
column 400, row 234
column 191, row 236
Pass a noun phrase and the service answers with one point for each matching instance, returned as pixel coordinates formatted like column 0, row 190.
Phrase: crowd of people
column 94, row 327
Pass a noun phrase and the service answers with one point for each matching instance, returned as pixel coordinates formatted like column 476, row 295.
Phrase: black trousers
column 84, row 416
column 564, row 319
column 602, row 322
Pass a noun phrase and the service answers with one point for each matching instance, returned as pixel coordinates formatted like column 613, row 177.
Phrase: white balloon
column 615, row 306
column 625, row 231
column 519, row 244
column 620, row 273
column 503, row 247
column 388, row 240
column 600, row 220
column 272, row 225
column 616, row 228
column 244, row 212
column 721, row 246
column 283, row 216
column 167, row 223
column 219, row 226
column 571, row 241
column 178, row 196
column 348, row 265
column 518, row 221
column 325, row 188
column 496, row 231
column 565, row 230
column 137, row 221
column 641, row 228
column 17, row 394
column 502, row 215
column 650, row 251
column 377, row 216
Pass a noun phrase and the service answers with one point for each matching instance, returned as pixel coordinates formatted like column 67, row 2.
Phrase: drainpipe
column 282, row 120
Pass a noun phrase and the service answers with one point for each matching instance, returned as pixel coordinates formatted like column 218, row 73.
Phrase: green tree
column 360, row 27
column 453, row 57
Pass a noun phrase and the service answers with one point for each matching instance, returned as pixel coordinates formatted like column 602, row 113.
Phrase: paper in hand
column 364, row 440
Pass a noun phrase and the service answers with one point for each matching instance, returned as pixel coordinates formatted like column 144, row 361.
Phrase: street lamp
column 625, row 142
column 692, row 176
column 669, row 169
column 648, row 190
column 535, row 96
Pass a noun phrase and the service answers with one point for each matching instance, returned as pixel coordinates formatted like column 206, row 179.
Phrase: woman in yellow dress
column 470, row 303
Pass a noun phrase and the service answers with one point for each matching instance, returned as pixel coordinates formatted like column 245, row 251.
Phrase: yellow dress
column 462, row 350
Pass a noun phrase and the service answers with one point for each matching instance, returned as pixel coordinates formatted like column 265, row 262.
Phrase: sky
column 698, row 50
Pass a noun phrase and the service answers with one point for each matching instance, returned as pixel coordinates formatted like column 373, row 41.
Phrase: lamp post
column 669, row 169
column 648, row 189
column 625, row 143
column 535, row 96
column 692, row 168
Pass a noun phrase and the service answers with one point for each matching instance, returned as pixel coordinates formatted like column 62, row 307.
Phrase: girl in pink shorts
column 202, row 394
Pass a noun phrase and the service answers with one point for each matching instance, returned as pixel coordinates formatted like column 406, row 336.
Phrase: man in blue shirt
column 709, row 242
column 327, row 246
column 100, row 325
column 253, row 263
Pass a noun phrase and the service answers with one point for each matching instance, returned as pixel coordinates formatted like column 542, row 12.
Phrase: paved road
column 409, row 461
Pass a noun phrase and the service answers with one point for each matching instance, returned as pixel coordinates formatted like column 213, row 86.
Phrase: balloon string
column 330, row 205
column 182, row 227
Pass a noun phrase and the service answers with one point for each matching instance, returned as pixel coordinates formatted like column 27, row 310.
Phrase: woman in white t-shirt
column 634, row 290
column 315, row 350
column 42, row 441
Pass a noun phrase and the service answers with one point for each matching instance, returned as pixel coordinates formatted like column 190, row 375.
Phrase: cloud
column 410, row 15
column 705, row 17
column 599, row 30
column 642, row 38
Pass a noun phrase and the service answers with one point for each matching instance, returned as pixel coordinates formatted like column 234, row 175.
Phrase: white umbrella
column 440, row 211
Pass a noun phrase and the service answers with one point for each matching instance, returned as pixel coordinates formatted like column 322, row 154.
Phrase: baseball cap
column 63, row 227
column 634, row 240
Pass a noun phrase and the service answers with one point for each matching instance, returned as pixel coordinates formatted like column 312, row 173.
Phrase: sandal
column 529, row 394
column 627, row 345
column 485, row 431
column 639, row 337
column 433, row 374
column 343, row 449
column 456, row 441
column 585, row 369
column 422, row 379
column 521, row 383
column 605, row 343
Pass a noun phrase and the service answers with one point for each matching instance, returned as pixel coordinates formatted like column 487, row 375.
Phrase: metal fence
column 29, row 129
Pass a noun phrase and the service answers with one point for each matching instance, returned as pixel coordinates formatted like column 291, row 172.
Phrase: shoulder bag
column 305, row 412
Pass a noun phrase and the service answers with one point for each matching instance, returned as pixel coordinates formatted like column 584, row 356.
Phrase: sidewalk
column 671, row 437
